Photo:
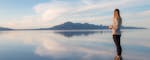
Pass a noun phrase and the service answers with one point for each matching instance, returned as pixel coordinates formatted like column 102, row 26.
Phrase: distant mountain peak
column 4, row 28
column 81, row 26
column 71, row 26
column 69, row 22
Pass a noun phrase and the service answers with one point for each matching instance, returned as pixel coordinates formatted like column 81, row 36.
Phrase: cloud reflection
column 61, row 51
column 93, row 46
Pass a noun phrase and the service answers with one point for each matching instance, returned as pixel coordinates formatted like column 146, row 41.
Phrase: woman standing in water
column 116, row 26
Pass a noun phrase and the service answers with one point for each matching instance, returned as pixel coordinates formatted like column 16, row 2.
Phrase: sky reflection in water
column 72, row 45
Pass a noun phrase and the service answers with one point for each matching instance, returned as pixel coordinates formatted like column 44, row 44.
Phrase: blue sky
column 46, row 13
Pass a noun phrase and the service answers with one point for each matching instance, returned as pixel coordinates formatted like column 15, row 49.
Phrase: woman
column 116, row 26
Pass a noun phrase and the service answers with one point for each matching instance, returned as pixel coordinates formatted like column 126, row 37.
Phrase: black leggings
column 116, row 39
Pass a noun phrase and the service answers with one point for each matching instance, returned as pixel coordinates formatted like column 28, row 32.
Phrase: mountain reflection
column 79, row 33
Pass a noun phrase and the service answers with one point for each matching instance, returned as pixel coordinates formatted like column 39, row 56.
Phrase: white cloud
column 53, row 12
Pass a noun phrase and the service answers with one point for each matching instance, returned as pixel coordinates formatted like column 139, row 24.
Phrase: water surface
column 72, row 45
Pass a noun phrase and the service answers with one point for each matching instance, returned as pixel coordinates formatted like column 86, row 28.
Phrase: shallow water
column 72, row 45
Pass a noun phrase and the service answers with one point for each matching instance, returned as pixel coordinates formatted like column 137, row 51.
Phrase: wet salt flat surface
column 72, row 45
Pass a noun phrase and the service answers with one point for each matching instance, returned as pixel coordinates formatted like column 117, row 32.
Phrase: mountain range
column 73, row 26
column 4, row 29
column 82, row 26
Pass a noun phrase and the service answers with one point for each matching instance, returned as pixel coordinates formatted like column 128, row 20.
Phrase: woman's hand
column 110, row 27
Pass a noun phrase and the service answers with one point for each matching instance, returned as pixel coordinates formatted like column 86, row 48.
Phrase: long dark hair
column 118, row 14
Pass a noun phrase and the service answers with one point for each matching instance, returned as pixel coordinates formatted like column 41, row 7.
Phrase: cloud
column 55, row 12
column 51, row 10
column 56, row 8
